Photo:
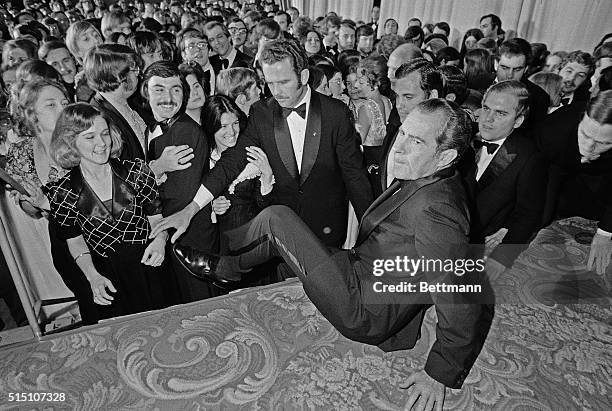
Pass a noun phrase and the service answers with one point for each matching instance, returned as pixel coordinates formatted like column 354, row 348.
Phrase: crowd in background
column 166, row 88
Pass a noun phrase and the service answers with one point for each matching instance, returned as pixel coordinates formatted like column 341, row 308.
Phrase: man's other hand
column 179, row 220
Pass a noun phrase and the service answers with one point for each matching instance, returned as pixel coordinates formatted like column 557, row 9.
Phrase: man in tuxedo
column 424, row 213
column 166, row 91
column 239, row 32
column 577, row 68
column 195, row 48
column 579, row 149
column 329, row 29
column 510, row 177
column 514, row 57
column 220, row 41
column 311, row 144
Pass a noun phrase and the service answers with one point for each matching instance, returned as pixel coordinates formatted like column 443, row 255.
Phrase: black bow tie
column 491, row 147
column 162, row 124
column 565, row 101
column 300, row 110
column 224, row 63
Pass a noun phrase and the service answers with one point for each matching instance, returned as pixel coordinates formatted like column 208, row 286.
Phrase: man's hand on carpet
column 425, row 392
column 599, row 255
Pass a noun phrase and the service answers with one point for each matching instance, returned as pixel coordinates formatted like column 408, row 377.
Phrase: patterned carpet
column 269, row 348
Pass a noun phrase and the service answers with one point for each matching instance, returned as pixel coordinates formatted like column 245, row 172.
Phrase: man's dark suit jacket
column 539, row 101
column 575, row 188
column 510, row 194
column 132, row 149
column 241, row 60
column 428, row 218
column 180, row 187
column 333, row 168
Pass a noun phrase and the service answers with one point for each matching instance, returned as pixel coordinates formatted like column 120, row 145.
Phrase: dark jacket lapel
column 90, row 204
column 387, row 202
column 283, row 140
column 502, row 159
column 312, row 137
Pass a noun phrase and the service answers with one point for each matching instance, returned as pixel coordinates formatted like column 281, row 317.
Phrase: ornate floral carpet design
column 269, row 348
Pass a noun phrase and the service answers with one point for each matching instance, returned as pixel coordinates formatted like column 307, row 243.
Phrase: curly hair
column 75, row 119
column 374, row 69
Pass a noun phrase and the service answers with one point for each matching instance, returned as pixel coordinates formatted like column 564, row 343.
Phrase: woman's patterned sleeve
column 63, row 211
column 147, row 189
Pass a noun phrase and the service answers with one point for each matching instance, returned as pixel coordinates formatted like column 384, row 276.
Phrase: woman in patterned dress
column 105, row 208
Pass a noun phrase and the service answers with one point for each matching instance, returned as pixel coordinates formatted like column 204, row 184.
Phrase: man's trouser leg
column 328, row 280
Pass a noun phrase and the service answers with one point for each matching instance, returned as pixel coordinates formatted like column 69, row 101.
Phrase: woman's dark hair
column 447, row 54
column 329, row 71
column 194, row 68
column 605, row 79
column 315, row 77
column 476, row 33
column 347, row 58
column 414, row 31
column 479, row 69
column 213, row 109
column 302, row 40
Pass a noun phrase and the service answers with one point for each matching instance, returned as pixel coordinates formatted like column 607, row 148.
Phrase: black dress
column 116, row 233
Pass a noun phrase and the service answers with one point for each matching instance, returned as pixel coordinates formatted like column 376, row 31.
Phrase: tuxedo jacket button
column 326, row 230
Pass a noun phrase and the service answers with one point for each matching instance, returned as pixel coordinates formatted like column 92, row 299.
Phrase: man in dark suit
column 510, row 177
column 312, row 147
column 576, row 71
column 423, row 214
column 414, row 81
column 514, row 57
column 220, row 40
column 579, row 149
column 166, row 91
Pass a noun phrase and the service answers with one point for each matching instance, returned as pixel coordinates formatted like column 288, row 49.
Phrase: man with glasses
column 195, row 49
column 239, row 32
column 220, row 41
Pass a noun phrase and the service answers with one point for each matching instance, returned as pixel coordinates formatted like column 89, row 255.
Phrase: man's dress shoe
column 202, row 266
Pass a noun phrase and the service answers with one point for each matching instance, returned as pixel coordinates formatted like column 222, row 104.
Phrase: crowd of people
column 134, row 125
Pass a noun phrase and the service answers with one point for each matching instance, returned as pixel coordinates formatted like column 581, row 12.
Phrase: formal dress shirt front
column 483, row 158
column 297, row 128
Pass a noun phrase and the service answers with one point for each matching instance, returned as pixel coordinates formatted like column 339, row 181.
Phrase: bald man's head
column 401, row 55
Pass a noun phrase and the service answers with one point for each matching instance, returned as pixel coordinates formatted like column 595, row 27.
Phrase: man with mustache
column 576, row 69
column 167, row 93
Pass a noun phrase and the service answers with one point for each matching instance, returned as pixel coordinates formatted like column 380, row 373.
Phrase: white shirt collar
column 230, row 57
